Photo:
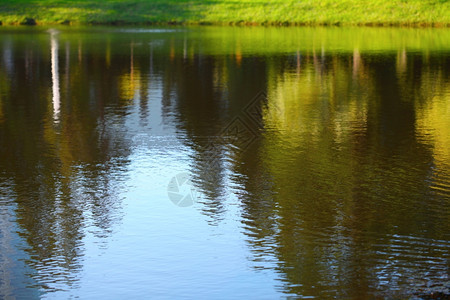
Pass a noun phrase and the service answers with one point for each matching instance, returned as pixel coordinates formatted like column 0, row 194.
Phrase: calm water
column 224, row 162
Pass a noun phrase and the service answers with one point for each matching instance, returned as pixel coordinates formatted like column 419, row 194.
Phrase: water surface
column 224, row 162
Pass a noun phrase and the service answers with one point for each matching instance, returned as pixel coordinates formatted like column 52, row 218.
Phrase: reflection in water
column 364, row 177
column 55, row 76
column 336, row 183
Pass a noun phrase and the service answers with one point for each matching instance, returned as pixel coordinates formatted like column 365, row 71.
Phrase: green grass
column 271, row 12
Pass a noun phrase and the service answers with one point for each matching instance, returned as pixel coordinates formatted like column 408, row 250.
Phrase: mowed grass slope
column 312, row 12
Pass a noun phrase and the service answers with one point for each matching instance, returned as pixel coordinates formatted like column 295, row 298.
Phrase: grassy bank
column 271, row 12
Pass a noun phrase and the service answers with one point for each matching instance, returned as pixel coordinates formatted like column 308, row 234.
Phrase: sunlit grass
column 349, row 12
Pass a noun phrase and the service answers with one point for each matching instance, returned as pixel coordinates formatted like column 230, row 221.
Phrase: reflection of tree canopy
column 64, row 173
column 209, row 93
column 348, row 172
column 340, row 181
column 344, row 176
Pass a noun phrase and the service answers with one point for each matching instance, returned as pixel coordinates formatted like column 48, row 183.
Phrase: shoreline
column 32, row 22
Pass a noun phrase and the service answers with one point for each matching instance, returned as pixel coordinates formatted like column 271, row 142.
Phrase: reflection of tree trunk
column 55, row 77
column 401, row 61
column 356, row 62
column 67, row 77
column 144, row 97
column 8, row 57
column 185, row 49
column 238, row 55
column 316, row 62
column 80, row 52
column 151, row 62
column 132, row 62
column 108, row 54
column 28, row 63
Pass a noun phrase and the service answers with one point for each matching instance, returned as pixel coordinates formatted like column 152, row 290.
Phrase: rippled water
column 224, row 162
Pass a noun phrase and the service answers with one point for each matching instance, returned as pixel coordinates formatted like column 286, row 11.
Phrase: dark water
column 224, row 162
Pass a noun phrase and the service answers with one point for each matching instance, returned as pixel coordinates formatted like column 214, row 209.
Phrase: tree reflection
column 349, row 159
column 338, row 186
column 55, row 75
column 63, row 158
column 347, row 171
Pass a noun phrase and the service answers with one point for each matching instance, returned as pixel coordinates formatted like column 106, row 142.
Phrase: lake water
column 218, row 163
